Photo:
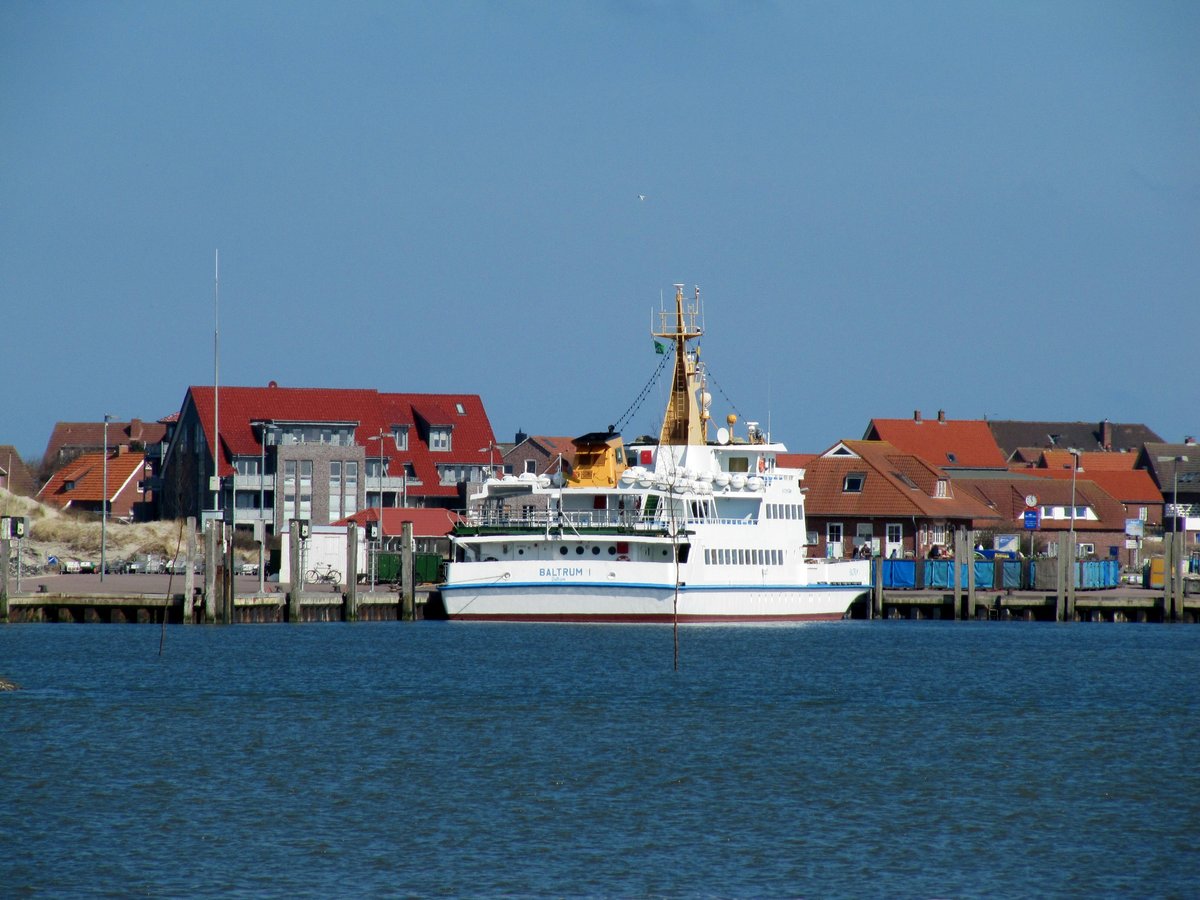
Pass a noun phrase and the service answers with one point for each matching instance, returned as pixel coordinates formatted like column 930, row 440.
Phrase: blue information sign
column 1031, row 519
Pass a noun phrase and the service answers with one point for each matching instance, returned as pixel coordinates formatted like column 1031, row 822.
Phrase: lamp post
column 1074, row 469
column 378, row 543
column 1175, row 461
column 104, row 504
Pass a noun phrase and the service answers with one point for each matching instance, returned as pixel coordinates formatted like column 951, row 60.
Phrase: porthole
column 521, row 552
column 579, row 550
column 595, row 551
column 612, row 551
column 562, row 550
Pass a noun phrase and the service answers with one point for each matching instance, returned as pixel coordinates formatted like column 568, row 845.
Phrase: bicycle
column 323, row 573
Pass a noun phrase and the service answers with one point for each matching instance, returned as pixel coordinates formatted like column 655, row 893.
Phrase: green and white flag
column 659, row 348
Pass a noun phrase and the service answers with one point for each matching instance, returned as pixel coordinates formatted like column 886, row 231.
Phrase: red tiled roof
column 1134, row 486
column 90, row 436
column 1090, row 462
column 1007, row 495
column 885, row 492
column 945, row 443
column 369, row 411
column 426, row 522
column 81, row 481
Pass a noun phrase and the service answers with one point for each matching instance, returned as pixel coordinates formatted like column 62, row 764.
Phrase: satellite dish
column 722, row 435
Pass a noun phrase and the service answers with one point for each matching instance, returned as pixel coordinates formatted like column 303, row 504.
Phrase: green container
column 426, row 566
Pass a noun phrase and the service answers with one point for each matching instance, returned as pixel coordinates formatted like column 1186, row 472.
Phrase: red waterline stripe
column 655, row 618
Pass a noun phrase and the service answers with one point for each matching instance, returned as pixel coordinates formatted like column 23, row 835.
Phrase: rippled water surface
column 849, row 759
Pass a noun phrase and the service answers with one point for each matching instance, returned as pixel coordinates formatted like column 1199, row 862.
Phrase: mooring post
column 1180, row 583
column 294, row 566
column 969, row 543
column 408, row 583
column 5, row 554
column 876, row 607
column 210, row 571
column 351, row 611
column 189, row 573
column 956, row 571
column 1060, row 578
column 227, row 592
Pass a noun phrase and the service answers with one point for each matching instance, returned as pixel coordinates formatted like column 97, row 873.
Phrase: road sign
column 1031, row 519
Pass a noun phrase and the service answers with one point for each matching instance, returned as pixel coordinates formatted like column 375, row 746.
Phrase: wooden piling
column 189, row 573
column 1060, row 578
column 296, row 577
column 5, row 556
column 350, row 613
column 227, row 582
column 408, row 576
column 210, row 572
column 876, row 607
column 969, row 556
column 956, row 572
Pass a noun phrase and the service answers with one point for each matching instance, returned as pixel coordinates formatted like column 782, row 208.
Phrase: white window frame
column 439, row 438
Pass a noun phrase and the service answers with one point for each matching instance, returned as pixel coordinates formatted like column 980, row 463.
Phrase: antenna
column 216, row 375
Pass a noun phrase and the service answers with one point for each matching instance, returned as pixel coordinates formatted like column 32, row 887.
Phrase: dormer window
column 853, row 483
column 439, row 438
column 942, row 489
column 400, row 436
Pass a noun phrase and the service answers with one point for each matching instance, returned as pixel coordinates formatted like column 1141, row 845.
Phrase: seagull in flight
column 641, row 196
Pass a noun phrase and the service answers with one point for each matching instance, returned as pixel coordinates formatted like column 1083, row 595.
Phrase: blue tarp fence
column 901, row 574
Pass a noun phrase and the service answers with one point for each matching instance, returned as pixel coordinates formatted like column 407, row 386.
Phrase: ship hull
column 648, row 603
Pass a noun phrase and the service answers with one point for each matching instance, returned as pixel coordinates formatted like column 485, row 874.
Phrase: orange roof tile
column 945, row 443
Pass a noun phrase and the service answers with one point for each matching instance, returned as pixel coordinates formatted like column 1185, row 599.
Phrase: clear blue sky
column 991, row 208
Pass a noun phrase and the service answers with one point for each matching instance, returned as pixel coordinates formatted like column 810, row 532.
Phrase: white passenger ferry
column 682, row 529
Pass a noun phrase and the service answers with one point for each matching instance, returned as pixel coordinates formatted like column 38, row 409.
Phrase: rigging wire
column 636, row 405
column 717, row 385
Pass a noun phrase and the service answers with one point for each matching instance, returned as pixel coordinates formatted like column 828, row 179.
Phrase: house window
column 335, row 491
column 306, row 482
column 400, row 436
column 289, row 489
column 942, row 489
column 937, row 533
column 531, row 466
column 853, row 483
column 460, row 409
column 350, row 506
column 439, row 439
column 895, row 534
column 246, row 465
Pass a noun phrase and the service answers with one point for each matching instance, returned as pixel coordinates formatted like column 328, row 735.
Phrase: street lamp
column 104, row 504
column 1175, row 461
column 1075, row 454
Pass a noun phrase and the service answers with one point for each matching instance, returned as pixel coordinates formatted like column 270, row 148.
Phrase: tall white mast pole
column 216, row 374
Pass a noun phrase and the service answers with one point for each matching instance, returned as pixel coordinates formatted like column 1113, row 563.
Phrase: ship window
column 562, row 550
column 739, row 464
column 579, row 550
column 595, row 551
column 612, row 551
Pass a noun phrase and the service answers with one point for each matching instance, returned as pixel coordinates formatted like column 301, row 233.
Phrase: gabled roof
column 82, row 482
column 426, row 522
column 1011, row 435
column 368, row 411
column 550, row 447
column 1006, row 496
column 88, row 436
column 1131, row 487
column 1090, row 462
column 945, row 443
column 894, row 484
column 18, row 477
column 1171, row 472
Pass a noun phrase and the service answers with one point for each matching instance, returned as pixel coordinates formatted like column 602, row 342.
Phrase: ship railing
column 570, row 520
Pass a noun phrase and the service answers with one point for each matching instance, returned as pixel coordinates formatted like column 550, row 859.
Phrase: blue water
column 878, row 759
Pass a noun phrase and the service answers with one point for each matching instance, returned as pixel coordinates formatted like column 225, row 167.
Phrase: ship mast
column 683, row 421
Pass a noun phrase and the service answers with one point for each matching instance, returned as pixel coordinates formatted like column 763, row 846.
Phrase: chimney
column 1106, row 435
column 942, row 416
column 916, row 415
